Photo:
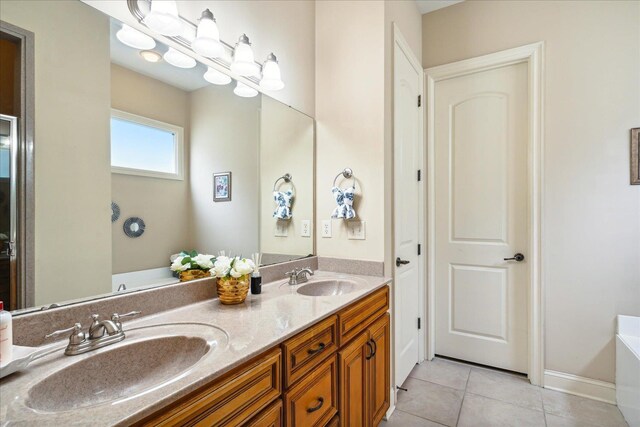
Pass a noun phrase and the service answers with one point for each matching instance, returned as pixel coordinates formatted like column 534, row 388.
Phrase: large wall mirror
column 135, row 160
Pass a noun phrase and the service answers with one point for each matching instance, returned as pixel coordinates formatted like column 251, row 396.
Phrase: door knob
column 517, row 257
column 400, row 262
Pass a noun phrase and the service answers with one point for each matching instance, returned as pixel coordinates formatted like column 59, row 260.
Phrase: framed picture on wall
column 222, row 187
column 635, row 157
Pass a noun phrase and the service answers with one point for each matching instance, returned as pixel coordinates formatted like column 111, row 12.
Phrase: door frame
column 401, row 47
column 533, row 56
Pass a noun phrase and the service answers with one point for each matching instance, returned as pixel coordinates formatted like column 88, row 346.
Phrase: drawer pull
column 315, row 408
column 370, row 348
column 375, row 347
column 318, row 349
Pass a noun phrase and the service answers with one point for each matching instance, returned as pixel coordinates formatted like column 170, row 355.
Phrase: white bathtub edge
column 580, row 386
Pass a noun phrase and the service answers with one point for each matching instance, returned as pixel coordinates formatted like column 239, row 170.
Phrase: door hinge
column 419, row 325
column 419, row 249
column 419, row 174
column 419, row 100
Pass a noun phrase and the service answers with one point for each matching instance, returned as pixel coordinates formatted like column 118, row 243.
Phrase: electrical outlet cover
column 305, row 228
column 326, row 228
column 355, row 230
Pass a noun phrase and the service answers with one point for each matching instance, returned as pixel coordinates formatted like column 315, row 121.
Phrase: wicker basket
column 193, row 275
column 233, row 291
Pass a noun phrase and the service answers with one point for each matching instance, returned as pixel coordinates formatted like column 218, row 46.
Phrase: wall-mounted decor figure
column 283, row 199
column 133, row 227
column 222, row 187
column 635, row 156
column 115, row 211
column 344, row 197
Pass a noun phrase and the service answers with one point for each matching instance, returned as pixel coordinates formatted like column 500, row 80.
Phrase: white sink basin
column 328, row 287
column 154, row 357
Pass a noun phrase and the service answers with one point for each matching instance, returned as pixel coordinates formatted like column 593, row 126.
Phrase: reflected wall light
column 216, row 77
column 179, row 59
column 244, row 91
column 134, row 38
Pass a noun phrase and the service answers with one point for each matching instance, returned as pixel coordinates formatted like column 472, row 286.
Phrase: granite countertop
column 261, row 322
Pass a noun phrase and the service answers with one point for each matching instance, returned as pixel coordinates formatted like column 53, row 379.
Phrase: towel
column 344, row 199
column 284, row 200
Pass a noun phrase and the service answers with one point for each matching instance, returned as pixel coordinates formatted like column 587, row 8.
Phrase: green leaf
column 194, row 253
column 186, row 260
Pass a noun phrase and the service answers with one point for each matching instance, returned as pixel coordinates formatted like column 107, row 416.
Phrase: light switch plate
column 356, row 230
column 326, row 228
column 305, row 228
column 282, row 229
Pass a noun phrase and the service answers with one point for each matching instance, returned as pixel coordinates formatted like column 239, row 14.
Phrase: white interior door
column 481, row 217
column 407, row 199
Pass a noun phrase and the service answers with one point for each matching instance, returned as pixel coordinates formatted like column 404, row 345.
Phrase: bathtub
column 143, row 278
column 628, row 368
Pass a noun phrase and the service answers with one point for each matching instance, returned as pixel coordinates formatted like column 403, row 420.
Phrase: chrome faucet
column 83, row 342
column 299, row 276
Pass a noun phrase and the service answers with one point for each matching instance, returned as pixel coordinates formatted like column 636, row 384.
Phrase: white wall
column 591, row 229
column 224, row 137
column 71, row 141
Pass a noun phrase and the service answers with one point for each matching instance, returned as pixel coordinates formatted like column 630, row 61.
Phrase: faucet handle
column 76, row 337
column 115, row 317
column 291, row 273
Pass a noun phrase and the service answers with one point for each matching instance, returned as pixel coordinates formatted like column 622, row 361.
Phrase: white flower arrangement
column 192, row 261
column 226, row 267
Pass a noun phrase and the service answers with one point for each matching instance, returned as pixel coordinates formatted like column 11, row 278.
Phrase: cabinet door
column 354, row 373
column 270, row 417
column 379, row 369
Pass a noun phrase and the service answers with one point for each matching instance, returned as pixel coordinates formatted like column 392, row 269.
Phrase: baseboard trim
column 390, row 411
column 580, row 386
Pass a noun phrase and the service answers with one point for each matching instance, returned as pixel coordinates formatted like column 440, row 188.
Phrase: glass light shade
column 163, row 18
column 244, row 91
column 151, row 56
column 243, row 61
column 207, row 41
column 134, row 38
column 215, row 77
column 271, row 79
column 179, row 59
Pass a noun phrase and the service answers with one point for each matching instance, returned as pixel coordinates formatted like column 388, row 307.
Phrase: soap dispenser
column 6, row 336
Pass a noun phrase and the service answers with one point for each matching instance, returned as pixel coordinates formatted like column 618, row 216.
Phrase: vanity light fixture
column 207, row 41
column 216, row 77
column 244, row 91
column 271, row 79
column 179, row 59
column 243, row 62
column 134, row 38
column 163, row 18
column 151, row 56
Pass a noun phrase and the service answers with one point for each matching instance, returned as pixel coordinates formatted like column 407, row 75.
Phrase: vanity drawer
column 270, row 417
column 230, row 401
column 313, row 401
column 308, row 349
column 357, row 317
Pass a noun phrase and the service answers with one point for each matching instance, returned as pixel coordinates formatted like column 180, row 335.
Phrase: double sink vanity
column 311, row 354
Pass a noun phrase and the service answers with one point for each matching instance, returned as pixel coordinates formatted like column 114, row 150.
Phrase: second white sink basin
column 328, row 287
column 149, row 358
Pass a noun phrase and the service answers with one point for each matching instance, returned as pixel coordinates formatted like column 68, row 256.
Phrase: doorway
column 484, row 175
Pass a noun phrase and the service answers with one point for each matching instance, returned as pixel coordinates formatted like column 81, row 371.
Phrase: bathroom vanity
column 314, row 354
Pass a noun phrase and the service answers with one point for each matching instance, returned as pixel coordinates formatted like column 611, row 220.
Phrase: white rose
column 177, row 265
column 222, row 266
column 242, row 267
column 204, row 261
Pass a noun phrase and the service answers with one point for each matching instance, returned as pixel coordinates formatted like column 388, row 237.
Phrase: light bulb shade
column 244, row 91
column 207, row 41
column 243, row 61
column 179, row 59
column 163, row 18
column 215, row 77
column 134, row 38
column 271, row 79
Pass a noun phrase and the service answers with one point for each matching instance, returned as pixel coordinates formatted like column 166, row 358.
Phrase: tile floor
column 445, row 392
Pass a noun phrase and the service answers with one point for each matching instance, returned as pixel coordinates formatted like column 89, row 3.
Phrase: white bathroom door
column 407, row 140
column 481, row 217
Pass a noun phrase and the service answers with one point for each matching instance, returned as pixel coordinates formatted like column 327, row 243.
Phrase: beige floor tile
column 403, row 419
column 479, row 411
column 506, row 387
column 556, row 421
column 443, row 372
column 582, row 409
column 431, row 401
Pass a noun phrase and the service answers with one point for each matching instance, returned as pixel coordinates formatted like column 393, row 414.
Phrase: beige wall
column 591, row 229
column 71, row 147
column 286, row 146
column 224, row 137
column 163, row 204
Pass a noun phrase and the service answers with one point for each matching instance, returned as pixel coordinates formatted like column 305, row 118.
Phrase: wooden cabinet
column 270, row 417
column 364, row 376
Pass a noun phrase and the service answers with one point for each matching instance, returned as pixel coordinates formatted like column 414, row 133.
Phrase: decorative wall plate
column 115, row 211
column 133, row 227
